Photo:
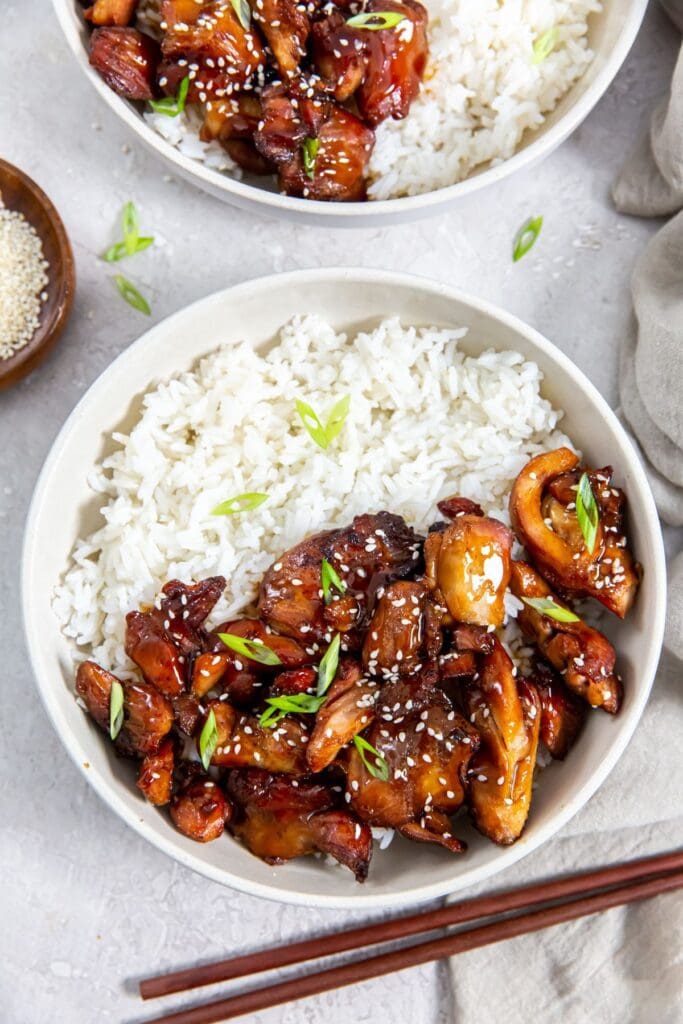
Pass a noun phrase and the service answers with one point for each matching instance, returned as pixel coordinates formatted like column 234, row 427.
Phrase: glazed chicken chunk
column 468, row 565
column 582, row 655
column 347, row 711
column 147, row 714
column 544, row 514
column 278, row 818
column 506, row 715
column 111, row 12
column 396, row 60
column 562, row 712
column 127, row 61
column 427, row 747
column 373, row 550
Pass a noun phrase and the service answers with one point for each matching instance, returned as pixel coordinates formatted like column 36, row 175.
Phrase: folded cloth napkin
column 651, row 369
column 624, row 966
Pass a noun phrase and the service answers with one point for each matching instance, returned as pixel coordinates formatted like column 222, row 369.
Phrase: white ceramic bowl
column 611, row 34
column 63, row 507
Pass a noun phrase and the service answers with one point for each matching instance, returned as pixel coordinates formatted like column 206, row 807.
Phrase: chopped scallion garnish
column 330, row 578
column 327, row 669
column 255, row 650
column 172, row 105
column 526, row 237
column 298, row 704
column 309, row 155
column 131, row 295
column 115, row 709
column 376, row 20
column 378, row 766
column 587, row 512
column 544, row 45
column 324, row 435
column 240, row 503
column 547, row 606
column 243, row 12
column 208, row 739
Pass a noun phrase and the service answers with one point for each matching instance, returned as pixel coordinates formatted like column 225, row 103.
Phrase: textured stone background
column 85, row 904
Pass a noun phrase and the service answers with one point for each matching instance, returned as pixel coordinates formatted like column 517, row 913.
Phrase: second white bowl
column 611, row 34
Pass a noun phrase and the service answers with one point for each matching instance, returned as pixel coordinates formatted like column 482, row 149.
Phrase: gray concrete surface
column 85, row 904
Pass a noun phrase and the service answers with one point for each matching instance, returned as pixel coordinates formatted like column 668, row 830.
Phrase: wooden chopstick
column 434, row 949
column 402, row 927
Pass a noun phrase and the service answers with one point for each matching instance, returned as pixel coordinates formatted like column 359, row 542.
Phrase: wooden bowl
column 20, row 193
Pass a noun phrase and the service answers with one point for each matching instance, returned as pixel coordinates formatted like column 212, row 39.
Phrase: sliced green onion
column 526, row 237
column 327, row 669
column 208, row 739
column 337, row 418
column 131, row 295
column 379, row 769
column 547, row 606
column 587, row 512
column 172, row 105
column 243, row 12
column 299, row 704
column 119, row 250
column 544, row 45
column 240, row 503
column 309, row 155
column 330, row 578
column 131, row 227
column 255, row 650
column 310, row 420
column 115, row 709
column 376, row 20
column 324, row 435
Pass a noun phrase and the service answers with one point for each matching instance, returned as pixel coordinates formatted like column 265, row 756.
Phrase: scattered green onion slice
column 172, row 105
column 240, row 503
column 587, row 512
column 131, row 295
column 324, row 435
column 544, row 45
column 132, row 241
column 131, row 227
column 526, row 237
column 208, row 739
column 376, row 20
column 309, row 155
column 330, row 578
column 379, row 769
column 243, row 12
column 337, row 418
column 327, row 669
column 255, row 650
column 547, row 606
column 119, row 251
column 115, row 709
column 299, row 704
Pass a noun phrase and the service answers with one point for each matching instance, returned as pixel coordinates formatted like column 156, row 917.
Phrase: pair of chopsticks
column 541, row 905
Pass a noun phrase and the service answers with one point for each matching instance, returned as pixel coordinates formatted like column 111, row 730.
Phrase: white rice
column 425, row 421
column 481, row 93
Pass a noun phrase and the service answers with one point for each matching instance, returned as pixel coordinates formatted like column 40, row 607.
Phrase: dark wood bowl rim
column 62, row 277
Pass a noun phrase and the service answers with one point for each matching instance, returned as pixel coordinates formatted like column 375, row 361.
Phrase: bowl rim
column 405, row 207
column 43, row 671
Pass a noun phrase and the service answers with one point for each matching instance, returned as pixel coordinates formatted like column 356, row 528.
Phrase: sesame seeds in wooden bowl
column 37, row 276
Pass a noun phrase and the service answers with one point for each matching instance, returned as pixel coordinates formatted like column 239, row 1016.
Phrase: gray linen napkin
column 651, row 370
